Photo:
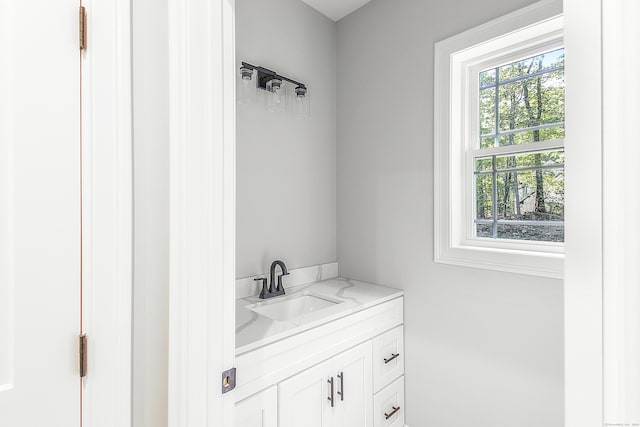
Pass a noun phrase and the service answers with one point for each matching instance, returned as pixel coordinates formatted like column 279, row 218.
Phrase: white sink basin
column 292, row 307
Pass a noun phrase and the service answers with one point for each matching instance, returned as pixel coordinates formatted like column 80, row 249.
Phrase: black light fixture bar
column 265, row 75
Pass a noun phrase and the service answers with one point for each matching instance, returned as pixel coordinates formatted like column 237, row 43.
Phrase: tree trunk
column 509, row 180
column 534, row 120
column 540, row 203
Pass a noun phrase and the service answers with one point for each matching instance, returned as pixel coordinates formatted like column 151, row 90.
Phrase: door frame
column 583, row 318
column 602, row 282
column 621, row 231
column 202, row 120
column 202, row 211
column 107, row 214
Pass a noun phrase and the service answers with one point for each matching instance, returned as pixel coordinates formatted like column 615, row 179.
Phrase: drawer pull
column 393, row 356
column 330, row 398
column 341, row 392
column 395, row 409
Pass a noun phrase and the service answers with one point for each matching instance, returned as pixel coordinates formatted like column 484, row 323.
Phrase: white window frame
column 458, row 61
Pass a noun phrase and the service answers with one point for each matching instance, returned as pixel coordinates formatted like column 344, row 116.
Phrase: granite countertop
column 254, row 330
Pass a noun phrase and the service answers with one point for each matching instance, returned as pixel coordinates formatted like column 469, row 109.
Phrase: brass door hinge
column 83, row 353
column 83, row 28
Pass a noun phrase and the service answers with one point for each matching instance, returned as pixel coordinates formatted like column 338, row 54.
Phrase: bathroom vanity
column 326, row 354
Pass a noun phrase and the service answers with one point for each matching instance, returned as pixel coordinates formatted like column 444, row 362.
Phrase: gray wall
column 151, row 212
column 483, row 348
column 286, row 170
column 286, row 167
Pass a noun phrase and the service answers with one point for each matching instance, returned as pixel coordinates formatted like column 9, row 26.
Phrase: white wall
column 151, row 212
column 286, row 167
column 483, row 349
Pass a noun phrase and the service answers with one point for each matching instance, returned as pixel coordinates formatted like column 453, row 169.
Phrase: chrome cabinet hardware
column 393, row 356
column 330, row 398
column 392, row 413
column 341, row 392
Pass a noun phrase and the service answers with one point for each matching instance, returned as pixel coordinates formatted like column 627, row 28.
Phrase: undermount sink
column 292, row 307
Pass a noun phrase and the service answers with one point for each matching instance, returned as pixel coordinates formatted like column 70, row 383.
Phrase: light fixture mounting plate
column 264, row 77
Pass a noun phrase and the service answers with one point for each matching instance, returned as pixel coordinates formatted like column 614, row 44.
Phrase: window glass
column 520, row 196
column 530, row 102
column 544, row 62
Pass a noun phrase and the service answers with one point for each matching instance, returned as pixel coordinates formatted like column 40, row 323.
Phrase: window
column 518, row 162
column 499, row 144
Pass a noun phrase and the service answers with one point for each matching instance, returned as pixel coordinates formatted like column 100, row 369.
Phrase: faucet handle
column 264, row 290
column 279, row 287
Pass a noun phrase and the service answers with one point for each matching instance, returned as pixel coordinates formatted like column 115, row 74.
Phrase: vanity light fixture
column 301, row 91
column 266, row 75
column 275, row 87
column 246, row 92
column 246, row 72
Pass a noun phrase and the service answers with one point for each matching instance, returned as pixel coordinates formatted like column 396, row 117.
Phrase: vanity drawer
column 388, row 405
column 388, row 357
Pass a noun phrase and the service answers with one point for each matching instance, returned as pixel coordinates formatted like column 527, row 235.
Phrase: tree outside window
column 519, row 182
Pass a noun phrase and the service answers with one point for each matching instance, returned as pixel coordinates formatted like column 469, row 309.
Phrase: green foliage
column 529, row 186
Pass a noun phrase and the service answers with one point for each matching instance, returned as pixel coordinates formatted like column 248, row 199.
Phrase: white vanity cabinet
column 345, row 372
column 335, row 393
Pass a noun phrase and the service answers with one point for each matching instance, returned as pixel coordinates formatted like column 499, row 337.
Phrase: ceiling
column 336, row 9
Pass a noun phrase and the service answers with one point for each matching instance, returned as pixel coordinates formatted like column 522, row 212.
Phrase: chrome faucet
column 274, row 289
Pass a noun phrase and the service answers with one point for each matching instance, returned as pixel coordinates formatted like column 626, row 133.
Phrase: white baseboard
column 247, row 287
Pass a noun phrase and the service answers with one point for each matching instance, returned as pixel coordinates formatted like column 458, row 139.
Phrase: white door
column 39, row 213
column 259, row 410
column 304, row 399
column 353, row 371
column 335, row 393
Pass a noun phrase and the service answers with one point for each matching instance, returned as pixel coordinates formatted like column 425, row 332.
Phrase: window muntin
column 518, row 161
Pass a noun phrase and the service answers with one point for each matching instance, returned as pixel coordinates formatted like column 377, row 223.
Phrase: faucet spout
column 279, row 289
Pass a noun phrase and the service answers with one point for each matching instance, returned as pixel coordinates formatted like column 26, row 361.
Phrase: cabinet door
column 259, row 410
column 303, row 399
column 354, row 387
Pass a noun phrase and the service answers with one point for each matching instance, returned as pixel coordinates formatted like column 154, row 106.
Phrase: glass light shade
column 276, row 95
column 301, row 102
column 246, row 91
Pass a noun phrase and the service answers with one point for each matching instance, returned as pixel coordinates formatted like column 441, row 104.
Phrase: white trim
column 518, row 149
column 247, row 286
column 107, row 214
column 7, row 142
column 202, row 211
column 583, row 232
column 501, row 40
column 621, row 232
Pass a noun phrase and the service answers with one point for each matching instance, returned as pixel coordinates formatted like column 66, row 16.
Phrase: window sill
column 543, row 264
